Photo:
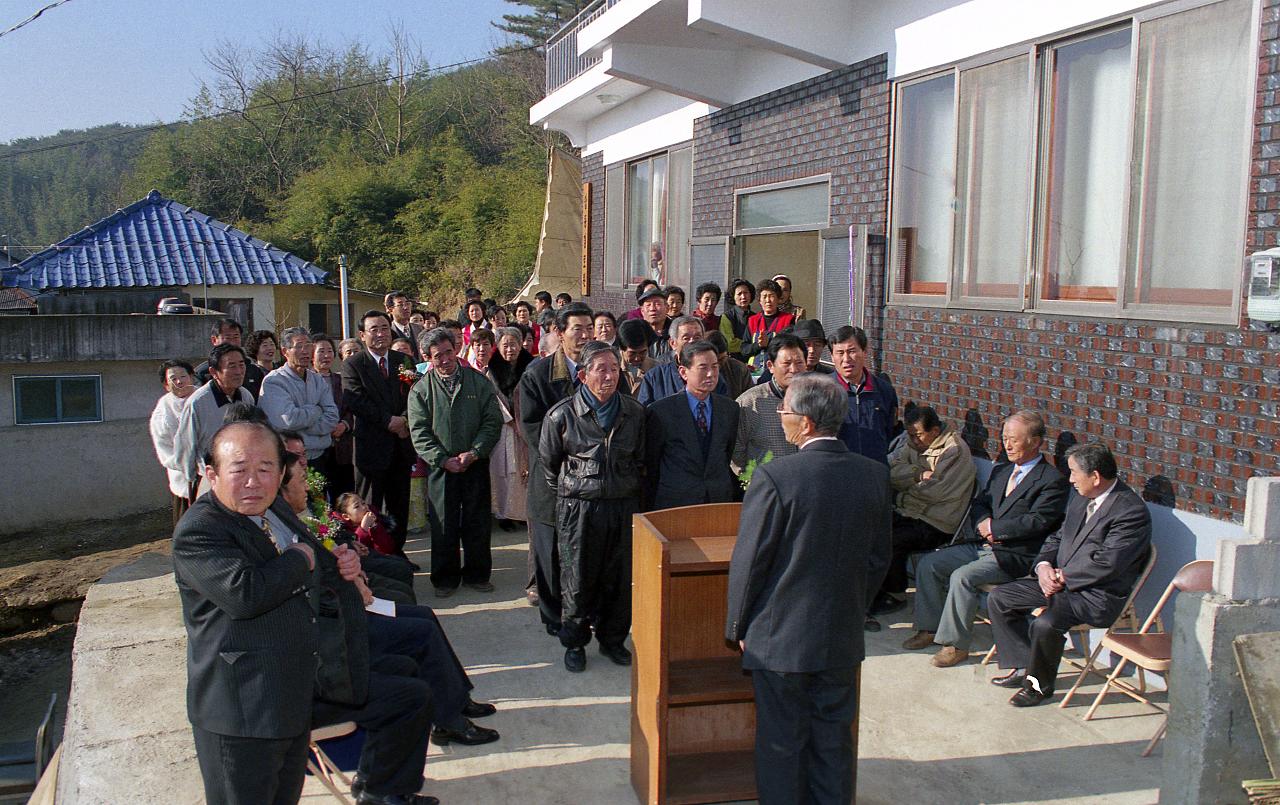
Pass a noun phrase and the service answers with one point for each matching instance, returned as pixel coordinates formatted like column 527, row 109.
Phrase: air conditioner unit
column 1264, row 286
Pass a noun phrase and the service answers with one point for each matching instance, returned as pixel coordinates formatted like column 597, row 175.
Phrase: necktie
column 1090, row 509
column 382, row 364
column 702, row 417
column 1014, row 477
column 266, row 529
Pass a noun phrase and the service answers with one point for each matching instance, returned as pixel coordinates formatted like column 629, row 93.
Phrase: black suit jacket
column 801, row 570
column 1021, row 522
column 374, row 399
column 252, row 635
column 414, row 330
column 1103, row 557
column 546, row 382
column 680, row 473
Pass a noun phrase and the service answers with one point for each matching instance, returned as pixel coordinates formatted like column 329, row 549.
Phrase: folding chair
column 322, row 767
column 1148, row 650
column 23, row 762
column 1125, row 623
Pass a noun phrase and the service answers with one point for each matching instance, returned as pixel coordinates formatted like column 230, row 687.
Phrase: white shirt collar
column 819, row 439
column 1097, row 502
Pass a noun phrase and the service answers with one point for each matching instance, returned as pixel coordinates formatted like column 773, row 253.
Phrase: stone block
column 1247, row 571
column 1262, row 509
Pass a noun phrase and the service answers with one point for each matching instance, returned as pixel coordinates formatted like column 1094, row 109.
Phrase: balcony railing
column 563, row 62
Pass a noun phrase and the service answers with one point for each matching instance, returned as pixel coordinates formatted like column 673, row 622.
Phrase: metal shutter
column 836, row 285
column 709, row 264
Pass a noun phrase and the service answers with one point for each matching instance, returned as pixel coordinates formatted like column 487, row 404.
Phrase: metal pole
column 342, row 296
column 204, row 272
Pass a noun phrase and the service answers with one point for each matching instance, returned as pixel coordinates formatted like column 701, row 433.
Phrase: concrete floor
column 927, row 735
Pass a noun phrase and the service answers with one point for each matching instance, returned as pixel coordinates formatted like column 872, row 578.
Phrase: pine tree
column 535, row 28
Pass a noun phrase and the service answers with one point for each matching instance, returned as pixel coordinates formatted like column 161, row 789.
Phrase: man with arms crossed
column 798, row 587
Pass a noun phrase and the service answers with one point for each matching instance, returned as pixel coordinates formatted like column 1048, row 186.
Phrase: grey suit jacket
column 679, row 472
column 801, row 570
column 1101, row 557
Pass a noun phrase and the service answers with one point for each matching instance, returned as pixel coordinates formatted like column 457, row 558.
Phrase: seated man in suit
column 932, row 479
column 1021, row 505
column 690, row 436
column 1082, row 575
column 798, row 581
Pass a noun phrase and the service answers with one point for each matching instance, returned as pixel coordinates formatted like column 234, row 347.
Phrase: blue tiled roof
column 159, row 242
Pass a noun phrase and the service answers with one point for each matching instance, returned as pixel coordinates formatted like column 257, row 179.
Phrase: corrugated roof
column 159, row 242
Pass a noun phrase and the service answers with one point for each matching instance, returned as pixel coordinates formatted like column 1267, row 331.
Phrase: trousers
column 415, row 632
column 909, row 536
column 459, row 519
column 251, row 771
column 594, row 537
column 948, row 588
column 546, row 571
column 804, row 741
column 1036, row 643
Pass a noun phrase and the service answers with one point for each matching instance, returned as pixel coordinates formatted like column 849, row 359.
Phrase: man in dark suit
column 1021, row 505
column 546, row 382
column 375, row 394
column 1082, row 575
column 689, row 437
column 798, row 587
column 399, row 308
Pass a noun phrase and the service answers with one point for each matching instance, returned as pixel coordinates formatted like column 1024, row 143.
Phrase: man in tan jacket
column 932, row 475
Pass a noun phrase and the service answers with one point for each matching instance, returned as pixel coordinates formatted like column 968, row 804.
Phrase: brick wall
column 837, row 123
column 1195, row 405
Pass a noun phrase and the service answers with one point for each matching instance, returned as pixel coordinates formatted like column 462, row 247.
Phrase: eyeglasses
column 785, row 412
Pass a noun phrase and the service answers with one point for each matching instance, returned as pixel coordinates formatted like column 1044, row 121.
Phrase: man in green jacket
column 455, row 421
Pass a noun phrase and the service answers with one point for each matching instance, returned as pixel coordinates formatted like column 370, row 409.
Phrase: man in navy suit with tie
column 689, row 437
column 1082, row 575
column 1022, row 504
column 373, row 390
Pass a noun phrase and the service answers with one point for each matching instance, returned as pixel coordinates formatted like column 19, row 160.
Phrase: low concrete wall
column 50, row 339
column 91, row 471
column 127, row 738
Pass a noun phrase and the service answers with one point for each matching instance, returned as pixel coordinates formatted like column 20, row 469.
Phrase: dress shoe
column 357, row 785
column 949, row 656
column 481, row 586
column 1013, row 679
column 575, row 660
column 617, row 654
column 918, row 640
column 532, row 597
column 366, row 798
column 870, row 625
column 885, row 603
column 507, row 525
column 1028, row 696
column 473, row 735
column 553, row 629
column 474, row 709
column 445, row 592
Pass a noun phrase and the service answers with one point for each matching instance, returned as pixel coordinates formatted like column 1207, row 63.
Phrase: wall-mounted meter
column 1264, row 286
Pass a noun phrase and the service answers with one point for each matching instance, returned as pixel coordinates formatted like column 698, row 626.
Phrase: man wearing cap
column 815, row 343
column 653, row 310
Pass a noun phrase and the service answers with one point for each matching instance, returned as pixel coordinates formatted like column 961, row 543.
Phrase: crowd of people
column 290, row 459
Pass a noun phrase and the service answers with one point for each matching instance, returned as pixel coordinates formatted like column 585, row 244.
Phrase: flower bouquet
column 408, row 376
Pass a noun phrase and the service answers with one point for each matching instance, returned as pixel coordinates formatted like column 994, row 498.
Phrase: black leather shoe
column 445, row 592
column 575, row 660
column 553, row 629
column 396, row 799
column 884, row 604
column 1029, row 697
column 474, row 709
column 870, row 625
column 617, row 654
column 473, row 735
column 1014, row 679
column 357, row 786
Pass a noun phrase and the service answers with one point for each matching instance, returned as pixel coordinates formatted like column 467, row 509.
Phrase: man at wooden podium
column 798, row 584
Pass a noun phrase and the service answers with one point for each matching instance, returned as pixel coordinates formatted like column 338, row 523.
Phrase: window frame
column 1033, row 276
column 617, row 280
column 17, row 399
column 739, row 192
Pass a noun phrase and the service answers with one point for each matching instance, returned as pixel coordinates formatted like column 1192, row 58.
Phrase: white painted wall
column 649, row 122
column 263, row 296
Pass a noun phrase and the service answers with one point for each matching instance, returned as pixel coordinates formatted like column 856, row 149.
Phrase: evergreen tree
column 545, row 17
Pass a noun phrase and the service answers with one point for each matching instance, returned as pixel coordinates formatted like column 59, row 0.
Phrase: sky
column 91, row 62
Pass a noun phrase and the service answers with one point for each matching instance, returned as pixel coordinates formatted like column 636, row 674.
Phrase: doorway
column 796, row 254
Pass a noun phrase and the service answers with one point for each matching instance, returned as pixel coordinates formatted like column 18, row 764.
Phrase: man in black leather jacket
column 592, row 448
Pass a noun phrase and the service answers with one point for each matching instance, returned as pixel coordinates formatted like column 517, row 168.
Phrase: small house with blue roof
column 157, row 248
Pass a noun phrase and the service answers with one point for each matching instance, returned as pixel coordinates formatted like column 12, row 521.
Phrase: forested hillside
column 427, row 178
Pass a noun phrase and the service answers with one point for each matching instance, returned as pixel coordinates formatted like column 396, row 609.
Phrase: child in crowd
column 368, row 527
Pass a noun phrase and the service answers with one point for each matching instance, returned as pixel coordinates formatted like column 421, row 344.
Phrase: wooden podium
column 693, row 719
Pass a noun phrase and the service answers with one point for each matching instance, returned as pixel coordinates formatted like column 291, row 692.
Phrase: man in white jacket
column 296, row 398
column 178, row 379
column 204, row 413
